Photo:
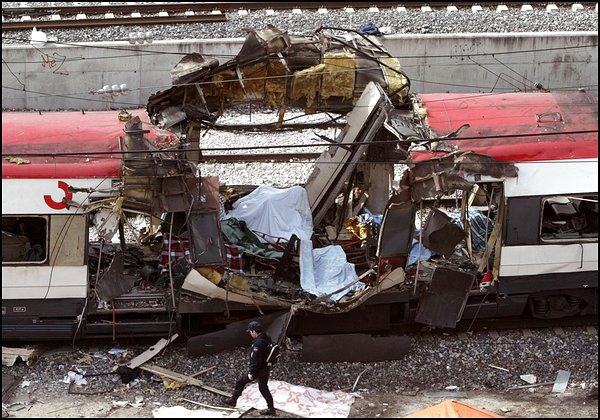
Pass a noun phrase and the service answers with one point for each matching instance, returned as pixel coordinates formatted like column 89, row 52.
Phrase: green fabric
column 236, row 232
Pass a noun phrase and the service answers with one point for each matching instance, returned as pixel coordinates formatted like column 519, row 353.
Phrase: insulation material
column 223, row 85
column 338, row 78
column 306, row 84
column 275, row 85
column 254, row 82
column 397, row 83
column 211, row 274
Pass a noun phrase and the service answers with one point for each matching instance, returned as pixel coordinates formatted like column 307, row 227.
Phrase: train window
column 24, row 239
column 567, row 217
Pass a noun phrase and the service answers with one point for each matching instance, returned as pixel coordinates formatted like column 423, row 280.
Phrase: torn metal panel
column 206, row 237
column 336, row 164
column 455, row 171
column 444, row 300
column 235, row 335
column 353, row 348
column 191, row 68
column 113, row 283
column 347, row 303
column 438, row 184
column 561, row 382
column 267, row 41
column 279, row 326
column 440, row 234
column 174, row 195
column 196, row 283
column 395, row 236
column 329, row 73
column 151, row 352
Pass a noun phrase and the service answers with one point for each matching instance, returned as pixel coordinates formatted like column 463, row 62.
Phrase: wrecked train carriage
column 525, row 169
column 326, row 71
column 62, row 173
column 493, row 183
column 500, row 173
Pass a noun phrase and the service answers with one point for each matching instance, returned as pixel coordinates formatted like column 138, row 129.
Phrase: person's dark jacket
column 259, row 353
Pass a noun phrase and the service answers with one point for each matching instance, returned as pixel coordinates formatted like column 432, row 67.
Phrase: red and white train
column 533, row 158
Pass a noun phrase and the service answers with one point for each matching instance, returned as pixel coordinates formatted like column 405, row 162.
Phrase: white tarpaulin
column 278, row 212
column 325, row 270
column 299, row 400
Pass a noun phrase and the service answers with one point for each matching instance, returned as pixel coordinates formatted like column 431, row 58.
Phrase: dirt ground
column 526, row 403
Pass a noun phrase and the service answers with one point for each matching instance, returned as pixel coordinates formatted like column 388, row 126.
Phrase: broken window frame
column 551, row 216
column 10, row 225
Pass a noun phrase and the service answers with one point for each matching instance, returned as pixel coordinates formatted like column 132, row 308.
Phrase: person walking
column 259, row 369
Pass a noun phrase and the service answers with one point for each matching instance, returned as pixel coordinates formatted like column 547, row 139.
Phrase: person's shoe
column 268, row 412
column 230, row 402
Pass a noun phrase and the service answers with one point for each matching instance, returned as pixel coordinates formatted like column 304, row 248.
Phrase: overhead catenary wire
column 254, row 147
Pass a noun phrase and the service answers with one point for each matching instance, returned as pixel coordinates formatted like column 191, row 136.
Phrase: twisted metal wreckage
column 350, row 257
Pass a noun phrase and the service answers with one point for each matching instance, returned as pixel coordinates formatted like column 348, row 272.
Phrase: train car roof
column 530, row 126
column 32, row 140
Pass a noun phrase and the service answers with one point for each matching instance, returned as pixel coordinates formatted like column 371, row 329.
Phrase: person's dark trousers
column 263, row 379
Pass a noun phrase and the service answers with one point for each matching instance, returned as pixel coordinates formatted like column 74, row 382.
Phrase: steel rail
column 87, row 23
column 179, row 8
column 227, row 6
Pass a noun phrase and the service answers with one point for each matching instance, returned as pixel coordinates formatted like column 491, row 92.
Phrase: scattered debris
column 151, row 352
column 76, row 375
column 530, row 386
column 188, row 380
column 530, row 379
column 499, row 368
column 357, row 378
column 561, row 382
column 10, row 355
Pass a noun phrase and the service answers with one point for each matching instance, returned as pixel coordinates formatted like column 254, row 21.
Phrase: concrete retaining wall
column 61, row 77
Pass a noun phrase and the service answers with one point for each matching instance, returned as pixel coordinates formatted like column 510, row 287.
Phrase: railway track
column 114, row 21
column 62, row 17
column 499, row 324
column 206, row 7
